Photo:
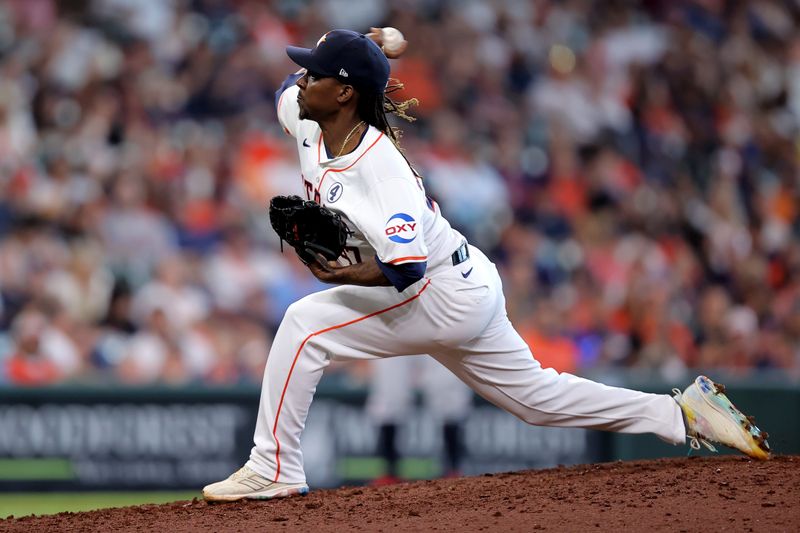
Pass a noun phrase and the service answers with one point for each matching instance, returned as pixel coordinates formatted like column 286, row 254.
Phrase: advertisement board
column 94, row 439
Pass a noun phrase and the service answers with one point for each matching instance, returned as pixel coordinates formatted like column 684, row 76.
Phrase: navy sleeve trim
column 288, row 82
column 404, row 275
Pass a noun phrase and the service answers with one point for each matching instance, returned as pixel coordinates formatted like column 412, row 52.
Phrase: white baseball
column 392, row 39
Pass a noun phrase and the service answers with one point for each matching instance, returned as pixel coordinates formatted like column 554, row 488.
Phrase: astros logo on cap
column 322, row 39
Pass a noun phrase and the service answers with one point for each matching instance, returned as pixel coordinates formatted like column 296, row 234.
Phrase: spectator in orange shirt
column 550, row 345
column 29, row 364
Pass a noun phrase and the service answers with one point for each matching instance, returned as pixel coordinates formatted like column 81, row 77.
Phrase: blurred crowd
column 632, row 168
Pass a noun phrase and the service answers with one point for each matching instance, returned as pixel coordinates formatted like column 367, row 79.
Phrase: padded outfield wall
column 106, row 438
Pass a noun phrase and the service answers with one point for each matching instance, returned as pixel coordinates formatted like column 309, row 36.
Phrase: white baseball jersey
column 455, row 314
column 375, row 191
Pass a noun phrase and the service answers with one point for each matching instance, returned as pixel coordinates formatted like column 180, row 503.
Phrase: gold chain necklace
column 346, row 139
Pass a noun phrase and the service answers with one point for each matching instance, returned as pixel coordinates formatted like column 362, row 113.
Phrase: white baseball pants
column 459, row 321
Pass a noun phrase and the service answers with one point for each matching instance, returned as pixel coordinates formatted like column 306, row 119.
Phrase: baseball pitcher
column 407, row 283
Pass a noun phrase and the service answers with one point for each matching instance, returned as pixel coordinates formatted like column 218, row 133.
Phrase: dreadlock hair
column 373, row 109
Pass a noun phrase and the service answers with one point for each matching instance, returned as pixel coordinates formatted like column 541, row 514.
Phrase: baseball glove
column 308, row 227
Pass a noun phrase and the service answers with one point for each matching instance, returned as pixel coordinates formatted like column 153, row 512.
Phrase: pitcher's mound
column 694, row 494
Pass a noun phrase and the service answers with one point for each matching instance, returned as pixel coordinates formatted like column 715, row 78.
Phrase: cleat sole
column 715, row 396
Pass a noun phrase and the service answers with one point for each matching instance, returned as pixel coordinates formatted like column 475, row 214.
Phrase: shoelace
column 242, row 472
column 694, row 440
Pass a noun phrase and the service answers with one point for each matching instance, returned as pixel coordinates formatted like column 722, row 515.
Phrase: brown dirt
column 709, row 494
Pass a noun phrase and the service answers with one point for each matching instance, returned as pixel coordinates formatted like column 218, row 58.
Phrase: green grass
column 28, row 469
column 359, row 468
column 26, row 503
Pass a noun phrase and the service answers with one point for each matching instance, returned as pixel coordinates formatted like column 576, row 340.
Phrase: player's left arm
column 391, row 220
column 392, row 223
column 367, row 274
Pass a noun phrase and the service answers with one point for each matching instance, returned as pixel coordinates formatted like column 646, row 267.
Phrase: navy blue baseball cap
column 349, row 56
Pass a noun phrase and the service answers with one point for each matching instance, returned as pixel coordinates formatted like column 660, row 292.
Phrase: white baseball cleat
column 710, row 416
column 247, row 484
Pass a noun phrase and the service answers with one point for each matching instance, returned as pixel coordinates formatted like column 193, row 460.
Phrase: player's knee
column 293, row 313
column 529, row 416
column 299, row 312
column 292, row 310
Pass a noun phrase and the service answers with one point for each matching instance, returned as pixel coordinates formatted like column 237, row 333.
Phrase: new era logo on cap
column 343, row 73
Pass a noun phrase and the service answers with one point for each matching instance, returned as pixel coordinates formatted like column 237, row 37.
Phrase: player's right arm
column 286, row 103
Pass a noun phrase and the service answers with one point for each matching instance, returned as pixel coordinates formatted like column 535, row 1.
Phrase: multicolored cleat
column 711, row 417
